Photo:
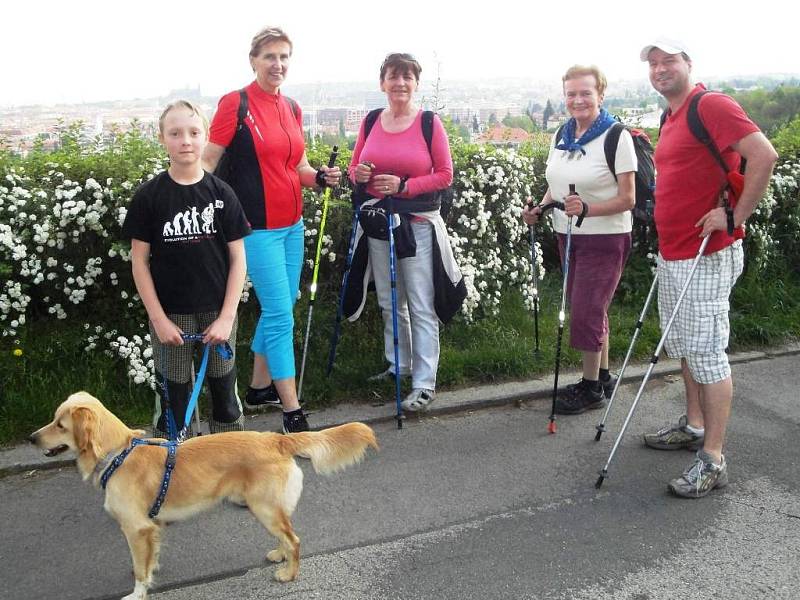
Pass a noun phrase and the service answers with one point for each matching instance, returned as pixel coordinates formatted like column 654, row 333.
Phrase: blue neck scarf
column 568, row 143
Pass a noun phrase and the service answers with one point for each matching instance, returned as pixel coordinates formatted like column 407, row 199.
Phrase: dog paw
column 285, row 574
column 139, row 592
column 276, row 555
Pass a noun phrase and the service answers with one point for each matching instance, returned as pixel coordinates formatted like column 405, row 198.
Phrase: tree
column 548, row 112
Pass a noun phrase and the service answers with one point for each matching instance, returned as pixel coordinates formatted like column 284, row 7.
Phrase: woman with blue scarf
column 600, row 247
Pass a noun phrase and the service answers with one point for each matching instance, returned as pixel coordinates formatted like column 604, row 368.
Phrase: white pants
column 418, row 325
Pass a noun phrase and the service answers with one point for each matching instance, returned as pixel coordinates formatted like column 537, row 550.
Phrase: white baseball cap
column 670, row 46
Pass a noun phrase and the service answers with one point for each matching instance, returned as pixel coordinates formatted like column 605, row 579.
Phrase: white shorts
column 701, row 329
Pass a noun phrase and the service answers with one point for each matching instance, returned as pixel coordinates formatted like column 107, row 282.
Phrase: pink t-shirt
column 689, row 179
column 405, row 154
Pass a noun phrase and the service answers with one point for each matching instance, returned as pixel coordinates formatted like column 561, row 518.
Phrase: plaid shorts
column 176, row 361
column 179, row 358
column 701, row 329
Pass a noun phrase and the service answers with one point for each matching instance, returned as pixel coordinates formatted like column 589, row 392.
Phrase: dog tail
column 332, row 449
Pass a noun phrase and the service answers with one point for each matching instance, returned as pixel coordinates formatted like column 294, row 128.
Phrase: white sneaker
column 418, row 400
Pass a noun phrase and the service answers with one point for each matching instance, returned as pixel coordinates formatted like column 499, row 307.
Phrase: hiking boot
column 386, row 375
column 579, row 398
column 257, row 398
column 295, row 422
column 607, row 385
column 674, row 437
column 418, row 400
column 701, row 477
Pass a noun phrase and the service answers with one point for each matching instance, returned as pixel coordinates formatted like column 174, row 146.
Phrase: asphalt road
column 482, row 504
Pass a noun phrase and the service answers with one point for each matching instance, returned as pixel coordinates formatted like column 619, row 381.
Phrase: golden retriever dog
column 243, row 466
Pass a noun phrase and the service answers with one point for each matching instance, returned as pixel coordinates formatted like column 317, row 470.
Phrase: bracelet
column 402, row 185
column 319, row 179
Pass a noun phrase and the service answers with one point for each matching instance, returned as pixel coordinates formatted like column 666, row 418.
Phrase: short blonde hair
column 195, row 110
column 576, row 71
column 268, row 35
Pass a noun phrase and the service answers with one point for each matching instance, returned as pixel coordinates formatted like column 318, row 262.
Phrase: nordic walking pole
column 653, row 360
column 601, row 427
column 393, row 281
column 532, row 231
column 325, row 197
column 345, row 278
column 551, row 427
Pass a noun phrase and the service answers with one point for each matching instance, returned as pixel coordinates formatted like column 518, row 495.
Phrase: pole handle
column 572, row 192
column 333, row 157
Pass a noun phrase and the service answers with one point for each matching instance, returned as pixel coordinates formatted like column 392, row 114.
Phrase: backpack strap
column 610, row 147
column 243, row 108
column 293, row 106
column 699, row 130
column 369, row 120
column 427, row 128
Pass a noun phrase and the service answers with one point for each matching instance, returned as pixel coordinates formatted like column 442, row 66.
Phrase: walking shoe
column 257, row 398
column 419, row 399
column 674, row 437
column 701, row 477
column 607, row 385
column 579, row 398
column 386, row 375
column 295, row 421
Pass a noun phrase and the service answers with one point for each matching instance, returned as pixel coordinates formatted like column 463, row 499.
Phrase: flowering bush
column 62, row 257
column 489, row 239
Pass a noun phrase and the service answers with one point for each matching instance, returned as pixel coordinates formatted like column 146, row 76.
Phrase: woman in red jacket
column 267, row 169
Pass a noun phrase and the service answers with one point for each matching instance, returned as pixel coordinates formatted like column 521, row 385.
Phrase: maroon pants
column 595, row 266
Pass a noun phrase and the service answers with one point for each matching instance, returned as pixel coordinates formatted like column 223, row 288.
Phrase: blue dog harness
column 172, row 448
column 224, row 350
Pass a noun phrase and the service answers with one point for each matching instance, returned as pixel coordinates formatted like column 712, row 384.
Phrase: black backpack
column 225, row 166
column 444, row 196
column 645, row 178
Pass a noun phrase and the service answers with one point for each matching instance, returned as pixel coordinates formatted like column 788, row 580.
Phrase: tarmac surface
column 473, row 500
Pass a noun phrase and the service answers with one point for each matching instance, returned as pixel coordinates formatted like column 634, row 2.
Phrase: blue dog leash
column 225, row 351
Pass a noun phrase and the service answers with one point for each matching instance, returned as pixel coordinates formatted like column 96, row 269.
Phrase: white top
column 593, row 182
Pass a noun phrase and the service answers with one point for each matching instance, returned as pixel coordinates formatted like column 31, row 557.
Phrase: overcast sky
column 116, row 49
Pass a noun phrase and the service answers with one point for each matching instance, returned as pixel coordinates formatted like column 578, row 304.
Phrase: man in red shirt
column 688, row 208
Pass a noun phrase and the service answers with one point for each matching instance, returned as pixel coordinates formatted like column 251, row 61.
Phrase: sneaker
column 295, row 422
column 700, row 478
column 386, row 375
column 418, row 399
column 579, row 398
column 674, row 437
column 607, row 385
column 257, row 398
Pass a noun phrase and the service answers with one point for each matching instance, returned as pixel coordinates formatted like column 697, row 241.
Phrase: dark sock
column 293, row 412
column 591, row 384
column 605, row 375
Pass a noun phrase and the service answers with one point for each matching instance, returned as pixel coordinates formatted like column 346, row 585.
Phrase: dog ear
column 85, row 426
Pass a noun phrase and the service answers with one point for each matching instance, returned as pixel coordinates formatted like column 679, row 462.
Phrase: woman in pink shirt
column 394, row 159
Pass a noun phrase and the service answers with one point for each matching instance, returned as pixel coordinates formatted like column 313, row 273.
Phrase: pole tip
column 551, row 427
column 598, row 435
column 599, row 482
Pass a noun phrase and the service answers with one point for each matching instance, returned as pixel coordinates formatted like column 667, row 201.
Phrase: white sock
column 696, row 430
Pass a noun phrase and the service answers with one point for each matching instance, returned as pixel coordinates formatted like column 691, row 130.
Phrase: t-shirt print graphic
column 185, row 225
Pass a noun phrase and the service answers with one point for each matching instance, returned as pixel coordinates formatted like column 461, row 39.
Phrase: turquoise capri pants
column 274, row 262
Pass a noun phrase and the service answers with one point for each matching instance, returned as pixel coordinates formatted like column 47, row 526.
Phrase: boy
column 186, row 229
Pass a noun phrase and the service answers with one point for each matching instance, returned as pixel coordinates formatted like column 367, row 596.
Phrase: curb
column 23, row 458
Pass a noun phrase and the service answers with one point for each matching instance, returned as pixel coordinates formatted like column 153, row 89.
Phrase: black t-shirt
column 188, row 228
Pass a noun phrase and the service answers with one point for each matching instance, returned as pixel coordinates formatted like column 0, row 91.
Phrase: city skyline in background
column 91, row 51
